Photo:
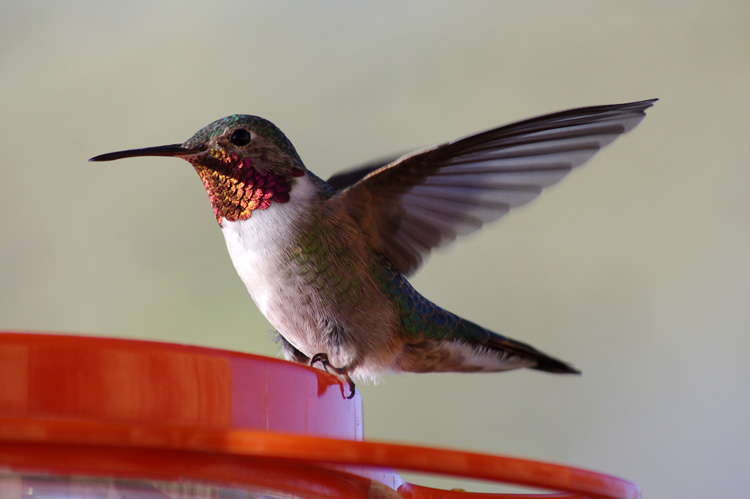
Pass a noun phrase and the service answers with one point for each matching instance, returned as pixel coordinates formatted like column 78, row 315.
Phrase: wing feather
column 426, row 199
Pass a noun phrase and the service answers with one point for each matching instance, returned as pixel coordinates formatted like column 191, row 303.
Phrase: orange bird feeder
column 108, row 418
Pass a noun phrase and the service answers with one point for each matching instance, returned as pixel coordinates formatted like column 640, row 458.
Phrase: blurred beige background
column 636, row 268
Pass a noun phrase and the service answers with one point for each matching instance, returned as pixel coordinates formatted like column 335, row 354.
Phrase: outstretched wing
column 346, row 178
column 425, row 199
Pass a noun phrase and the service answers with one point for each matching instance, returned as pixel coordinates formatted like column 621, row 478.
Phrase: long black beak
column 170, row 150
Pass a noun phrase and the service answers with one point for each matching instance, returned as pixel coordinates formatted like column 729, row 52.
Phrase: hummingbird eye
column 240, row 137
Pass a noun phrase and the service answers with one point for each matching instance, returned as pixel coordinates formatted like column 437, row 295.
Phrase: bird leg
column 339, row 371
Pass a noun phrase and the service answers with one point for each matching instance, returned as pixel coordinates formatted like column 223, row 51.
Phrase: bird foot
column 339, row 371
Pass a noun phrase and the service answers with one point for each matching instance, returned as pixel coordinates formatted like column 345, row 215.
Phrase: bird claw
column 339, row 371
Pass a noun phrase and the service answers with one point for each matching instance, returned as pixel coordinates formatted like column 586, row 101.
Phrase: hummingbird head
column 245, row 162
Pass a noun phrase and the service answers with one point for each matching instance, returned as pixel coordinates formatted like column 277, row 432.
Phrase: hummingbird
column 327, row 262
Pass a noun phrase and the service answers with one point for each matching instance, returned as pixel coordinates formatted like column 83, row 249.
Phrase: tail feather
column 493, row 341
column 543, row 361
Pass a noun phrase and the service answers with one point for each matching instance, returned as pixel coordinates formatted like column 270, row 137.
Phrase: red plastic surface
column 132, row 409
column 116, row 381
